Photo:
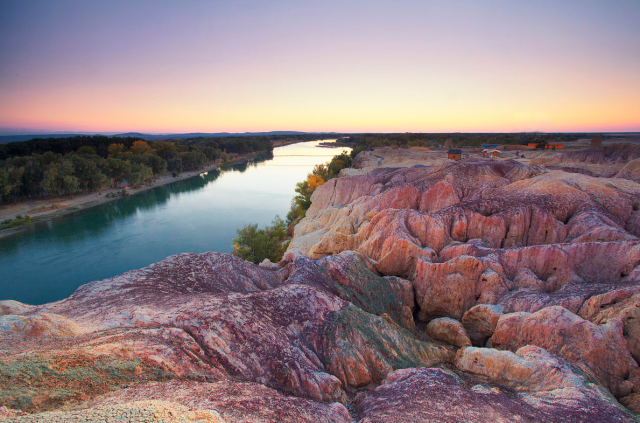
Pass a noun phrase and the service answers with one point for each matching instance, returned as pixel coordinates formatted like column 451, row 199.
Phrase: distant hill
column 13, row 138
column 207, row 134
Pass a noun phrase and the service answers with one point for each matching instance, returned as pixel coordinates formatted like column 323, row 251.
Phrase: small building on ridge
column 554, row 146
column 454, row 154
column 491, row 154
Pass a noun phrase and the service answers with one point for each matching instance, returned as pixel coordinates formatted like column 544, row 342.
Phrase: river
column 50, row 259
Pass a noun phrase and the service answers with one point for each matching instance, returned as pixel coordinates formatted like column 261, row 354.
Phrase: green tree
column 338, row 163
column 117, row 170
column 116, row 149
column 157, row 164
column 303, row 199
column 34, row 167
column 255, row 245
column 175, row 165
column 139, row 173
column 86, row 150
column 165, row 150
column 59, row 179
column 192, row 160
column 10, row 182
column 89, row 174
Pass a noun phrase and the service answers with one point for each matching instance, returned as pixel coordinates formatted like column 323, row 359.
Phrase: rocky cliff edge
column 479, row 291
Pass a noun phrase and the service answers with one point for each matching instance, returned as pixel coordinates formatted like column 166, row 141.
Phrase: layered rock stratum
column 479, row 291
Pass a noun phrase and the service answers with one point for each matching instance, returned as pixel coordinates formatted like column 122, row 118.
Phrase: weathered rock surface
column 133, row 412
column 480, row 322
column 610, row 161
column 630, row 171
column 539, row 266
column 437, row 395
column 448, row 330
column 598, row 349
column 620, row 305
column 520, row 255
column 613, row 153
column 232, row 401
column 216, row 318
column 397, row 157
column 545, row 381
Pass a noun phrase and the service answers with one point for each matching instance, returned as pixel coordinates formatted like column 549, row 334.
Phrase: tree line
column 64, row 166
column 101, row 143
column 367, row 141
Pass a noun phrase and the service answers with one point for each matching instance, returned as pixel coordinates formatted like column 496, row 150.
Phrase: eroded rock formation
column 370, row 316
column 519, row 255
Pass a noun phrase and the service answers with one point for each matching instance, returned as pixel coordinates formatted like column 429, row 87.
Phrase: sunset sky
column 348, row 66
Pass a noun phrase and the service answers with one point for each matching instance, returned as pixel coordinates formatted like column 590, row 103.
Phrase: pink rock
column 436, row 395
column 480, row 322
column 234, row 401
column 438, row 197
column 582, row 343
column 448, row 330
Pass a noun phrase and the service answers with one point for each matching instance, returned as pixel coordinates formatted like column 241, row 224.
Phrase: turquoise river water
column 49, row 260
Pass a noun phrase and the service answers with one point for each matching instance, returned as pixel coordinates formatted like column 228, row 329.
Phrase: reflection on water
column 51, row 259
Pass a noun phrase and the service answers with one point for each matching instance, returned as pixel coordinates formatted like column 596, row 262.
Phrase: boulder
column 584, row 344
column 448, row 330
column 480, row 322
column 543, row 380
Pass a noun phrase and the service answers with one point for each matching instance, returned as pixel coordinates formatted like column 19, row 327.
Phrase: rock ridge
column 478, row 290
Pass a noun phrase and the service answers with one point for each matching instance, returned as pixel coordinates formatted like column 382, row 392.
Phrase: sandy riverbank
column 59, row 206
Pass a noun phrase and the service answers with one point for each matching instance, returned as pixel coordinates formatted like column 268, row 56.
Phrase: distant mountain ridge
column 22, row 137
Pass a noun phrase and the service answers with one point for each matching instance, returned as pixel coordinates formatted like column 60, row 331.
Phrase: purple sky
column 159, row 66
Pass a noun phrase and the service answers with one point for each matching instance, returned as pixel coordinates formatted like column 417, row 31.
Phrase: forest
column 83, row 164
column 366, row 141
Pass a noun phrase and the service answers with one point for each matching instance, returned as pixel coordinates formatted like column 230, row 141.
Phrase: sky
column 345, row 66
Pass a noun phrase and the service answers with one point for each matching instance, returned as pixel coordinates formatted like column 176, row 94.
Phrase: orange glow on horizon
column 325, row 66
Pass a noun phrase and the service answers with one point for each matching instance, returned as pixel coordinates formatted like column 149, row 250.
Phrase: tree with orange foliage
column 140, row 147
column 314, row 182
column 115, row 150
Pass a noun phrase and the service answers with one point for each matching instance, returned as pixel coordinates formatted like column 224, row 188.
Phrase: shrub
column 255, row 245
column 320, row 174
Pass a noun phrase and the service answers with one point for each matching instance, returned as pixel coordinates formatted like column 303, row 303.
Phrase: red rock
column 286, row 329
column 437, row 395
column 504, row 204
column 438, row 197
column 621, row 305
column 582, row 343
column 448, row 330
column 480, row 322
column 234, row 401
column 521, row 254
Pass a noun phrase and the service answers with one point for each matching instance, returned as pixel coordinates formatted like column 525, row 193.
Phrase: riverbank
column 49, row 260
column 44, row 209
column 32, row 211
column 39, row 210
